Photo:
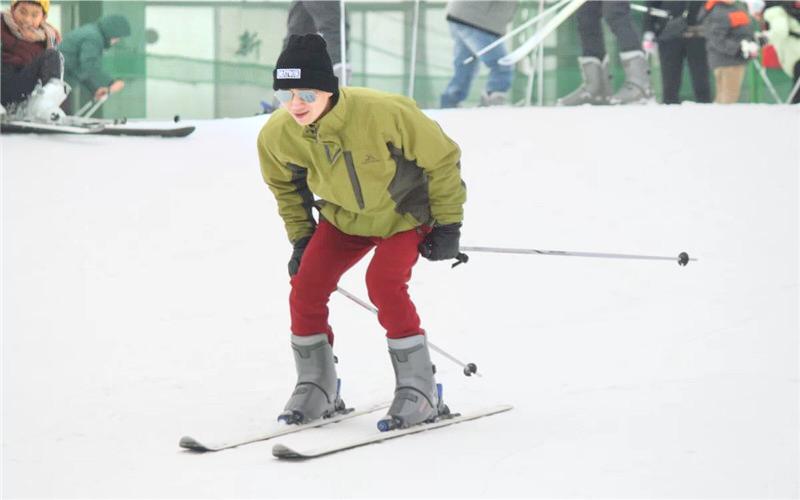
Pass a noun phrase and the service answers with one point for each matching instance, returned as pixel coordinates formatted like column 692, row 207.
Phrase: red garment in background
column 330, row 253
column 769, row 57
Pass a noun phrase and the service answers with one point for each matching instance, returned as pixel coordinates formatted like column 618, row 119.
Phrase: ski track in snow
column 145, row 298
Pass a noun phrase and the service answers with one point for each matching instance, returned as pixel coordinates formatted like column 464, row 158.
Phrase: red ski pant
column 330, row 253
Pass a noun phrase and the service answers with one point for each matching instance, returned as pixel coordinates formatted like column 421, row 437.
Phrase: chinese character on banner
column 248, row 42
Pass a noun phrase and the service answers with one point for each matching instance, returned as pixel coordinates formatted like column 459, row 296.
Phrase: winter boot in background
column 594, row 89
column 494, row 99
column 43, row 105
column 608, row 89
column 316, row 394
column 636, row 89
column 417, row 397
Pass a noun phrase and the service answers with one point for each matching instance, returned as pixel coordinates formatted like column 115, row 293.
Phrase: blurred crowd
column 715, row 39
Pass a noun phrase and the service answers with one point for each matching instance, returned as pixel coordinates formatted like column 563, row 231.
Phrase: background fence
column 211, row 59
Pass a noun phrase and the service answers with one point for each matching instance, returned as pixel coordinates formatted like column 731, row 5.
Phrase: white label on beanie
column 288, row 73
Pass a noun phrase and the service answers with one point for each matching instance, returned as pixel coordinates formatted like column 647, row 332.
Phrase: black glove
column 297, row 254
column 441, row 243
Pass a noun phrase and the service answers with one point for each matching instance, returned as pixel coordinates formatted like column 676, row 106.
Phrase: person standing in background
column 323, row 18
column 677, row 39
column 83, row 55
column 474, row 25
column 729, row 44
column 596, row 86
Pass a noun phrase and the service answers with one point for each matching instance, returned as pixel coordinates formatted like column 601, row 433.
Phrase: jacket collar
column 327, row 128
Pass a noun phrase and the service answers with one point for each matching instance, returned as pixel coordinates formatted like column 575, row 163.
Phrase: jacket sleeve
column 90, row 63
column 723, row 36
column 425, row 143
column 288, row 183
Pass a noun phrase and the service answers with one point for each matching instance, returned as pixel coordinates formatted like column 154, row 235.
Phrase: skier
column 389, row 179
column 31, row 82
column 596, row 86
column 83, row 55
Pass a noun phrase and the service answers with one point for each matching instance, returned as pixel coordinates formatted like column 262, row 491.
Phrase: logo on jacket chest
column 370, row 158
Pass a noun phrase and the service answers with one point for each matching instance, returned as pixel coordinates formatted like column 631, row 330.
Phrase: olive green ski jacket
column 376, row 164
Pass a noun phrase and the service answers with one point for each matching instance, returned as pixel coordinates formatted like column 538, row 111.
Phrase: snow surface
column 145, row 298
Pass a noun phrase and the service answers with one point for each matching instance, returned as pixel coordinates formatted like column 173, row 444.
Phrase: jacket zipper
column 351, row 170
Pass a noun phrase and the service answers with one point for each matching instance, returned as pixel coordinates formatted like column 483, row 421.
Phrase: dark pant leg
column 590, row 30
column 327, row 18
column 298, row 22
column 671, row 55
column 18, row 83
column 15, row 85
column 698, row 67
column 52, row 65
column 618, row 18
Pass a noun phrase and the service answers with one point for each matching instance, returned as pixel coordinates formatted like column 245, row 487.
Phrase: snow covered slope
column 145, row 297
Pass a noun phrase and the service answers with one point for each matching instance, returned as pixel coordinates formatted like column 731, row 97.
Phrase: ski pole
column 516, row 30
column 469, row 368
column 95, row 106
column 682, row 259
column 767, row 81
column 84, row 108
column 794, row 91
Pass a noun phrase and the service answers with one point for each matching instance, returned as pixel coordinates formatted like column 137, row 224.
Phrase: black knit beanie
column 305, row 64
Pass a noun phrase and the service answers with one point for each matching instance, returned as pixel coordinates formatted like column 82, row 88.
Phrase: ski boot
column 494, row 99
column 44, row 103
column 595, row 86
column 316, row 394
column 636, row 88
column 417, row 396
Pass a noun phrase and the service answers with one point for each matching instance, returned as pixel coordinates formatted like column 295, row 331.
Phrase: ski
column 193, row 444
column 523, row 50
column 146, row 132
column 22, row 126
column 286, row 453
column 74, row 125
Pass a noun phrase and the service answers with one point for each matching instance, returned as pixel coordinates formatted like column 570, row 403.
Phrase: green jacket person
column 382, row 175
column 83, row 55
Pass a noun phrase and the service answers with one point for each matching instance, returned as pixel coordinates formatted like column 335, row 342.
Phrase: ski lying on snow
column 78, row 126
column 193, row 444
column 21, row 126
column 146, row 132
column 285, row 452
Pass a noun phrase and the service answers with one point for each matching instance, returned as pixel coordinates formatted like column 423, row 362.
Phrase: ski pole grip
column 461, row 258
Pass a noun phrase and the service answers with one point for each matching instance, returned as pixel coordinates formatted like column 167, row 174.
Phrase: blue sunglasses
column 285, row 96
